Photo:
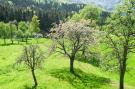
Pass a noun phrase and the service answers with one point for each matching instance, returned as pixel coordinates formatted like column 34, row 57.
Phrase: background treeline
column 48, row 12
column 20, row 31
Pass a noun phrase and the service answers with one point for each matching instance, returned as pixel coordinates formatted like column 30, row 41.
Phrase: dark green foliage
column 48, row 12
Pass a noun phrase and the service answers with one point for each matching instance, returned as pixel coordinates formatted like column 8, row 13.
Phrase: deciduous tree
column 33, row 58
column 71, row 38
column 34, row 25
column 13, row 30
column 121, row 36
column 4, row 31
column 23, row 27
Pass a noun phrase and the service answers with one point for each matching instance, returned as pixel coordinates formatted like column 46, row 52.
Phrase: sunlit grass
column 55, row 72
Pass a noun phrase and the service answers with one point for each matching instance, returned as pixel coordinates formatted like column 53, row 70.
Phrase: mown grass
column 55, row 72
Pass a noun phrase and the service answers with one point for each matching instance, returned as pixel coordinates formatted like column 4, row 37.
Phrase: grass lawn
column 55, row 72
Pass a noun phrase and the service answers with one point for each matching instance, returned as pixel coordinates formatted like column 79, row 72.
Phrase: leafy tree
column 19, row 35
column 34, row 25
column 121, row 36
column 23, row 26
column 4, row 31
column 13, row 30
column 1, row 29
column 33, row 58
column 88, row 12
column 72, row 38
column 26, row 35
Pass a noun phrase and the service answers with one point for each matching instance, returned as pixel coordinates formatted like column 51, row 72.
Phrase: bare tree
column 33, row 58
column 71, row 38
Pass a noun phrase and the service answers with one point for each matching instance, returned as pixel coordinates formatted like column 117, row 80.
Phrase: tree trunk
column 72, row 64
column 22, row 39
column 18, row 42
column 121, row 86
column 4, row 41
column 12, row 41
column 37, row 40
column 11, row 37
column 26, row 40
column 122, row 74
column 123, row 67
column 34, row 78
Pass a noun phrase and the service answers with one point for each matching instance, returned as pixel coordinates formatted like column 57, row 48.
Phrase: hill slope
column 55, row 73
column 107, row 4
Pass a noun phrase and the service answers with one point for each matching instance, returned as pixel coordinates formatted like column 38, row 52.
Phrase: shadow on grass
column 9, row 44
column 28, row 87
column 5, row 70
column 16, row 43
column 32, row 87
column 21, row 43
column 80, row 79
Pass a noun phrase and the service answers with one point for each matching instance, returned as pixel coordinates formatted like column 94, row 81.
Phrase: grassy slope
column 55, row 74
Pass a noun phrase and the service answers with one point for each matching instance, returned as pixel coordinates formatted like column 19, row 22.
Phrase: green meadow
column 55, row 72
